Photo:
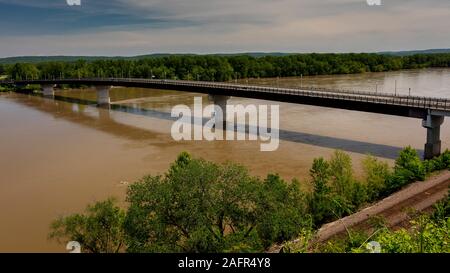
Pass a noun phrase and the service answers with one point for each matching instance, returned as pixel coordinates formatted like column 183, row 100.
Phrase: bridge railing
column 335, row 94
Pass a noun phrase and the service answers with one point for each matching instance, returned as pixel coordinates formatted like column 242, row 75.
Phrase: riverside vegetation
column 224, row 68
column 200, row 206
column 425, row 233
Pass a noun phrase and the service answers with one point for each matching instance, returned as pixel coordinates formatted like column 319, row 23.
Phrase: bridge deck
column 310, row 95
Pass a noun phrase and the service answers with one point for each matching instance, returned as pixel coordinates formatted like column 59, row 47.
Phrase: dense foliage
column 225, row 68
column 336, row 192
column 200, row 206
column 197, row 206
column 99, row 230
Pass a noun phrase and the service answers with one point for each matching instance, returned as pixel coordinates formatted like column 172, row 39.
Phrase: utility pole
column 410, row 91
column 395, row 88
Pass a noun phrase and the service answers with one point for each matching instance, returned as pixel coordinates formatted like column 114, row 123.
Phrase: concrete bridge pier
column 220, row 105
column 433, row 125
column 48, row 90
column 104, row 114
column 103, row 98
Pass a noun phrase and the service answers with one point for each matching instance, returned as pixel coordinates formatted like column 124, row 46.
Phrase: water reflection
column 109, row 125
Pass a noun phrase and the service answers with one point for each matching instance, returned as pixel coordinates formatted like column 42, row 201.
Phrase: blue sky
column 132, row 27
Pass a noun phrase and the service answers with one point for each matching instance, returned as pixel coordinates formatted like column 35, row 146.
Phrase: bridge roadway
column 431, row 110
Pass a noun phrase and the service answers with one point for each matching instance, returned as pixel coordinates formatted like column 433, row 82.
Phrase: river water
column 59, row 155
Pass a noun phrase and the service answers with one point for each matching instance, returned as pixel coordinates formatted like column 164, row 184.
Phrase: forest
column 224, row 68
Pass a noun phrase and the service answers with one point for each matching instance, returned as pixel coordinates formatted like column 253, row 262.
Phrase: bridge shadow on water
column 361, row 147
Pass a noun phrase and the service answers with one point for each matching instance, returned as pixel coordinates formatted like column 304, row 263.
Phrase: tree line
column 224, row 68
column 200, row 206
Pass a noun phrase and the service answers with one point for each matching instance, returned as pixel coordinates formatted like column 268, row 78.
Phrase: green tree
column 376, row 173
column 410, row 163
column 320, row 200
column 197, row 206
column 22, row 71
column 99, row 230
column 350, row 194
column 282, row 211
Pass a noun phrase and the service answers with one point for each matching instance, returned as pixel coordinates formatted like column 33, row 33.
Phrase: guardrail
column 440, row 104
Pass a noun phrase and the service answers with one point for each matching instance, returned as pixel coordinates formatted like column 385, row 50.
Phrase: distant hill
column 414, row 52
column 38, row 59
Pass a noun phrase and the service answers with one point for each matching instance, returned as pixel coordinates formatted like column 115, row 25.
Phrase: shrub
column 410, row 161
column 100, row 230
column 442, row 210
column 377, row 173
column 425, row 236
column 397, row 180
column 446, row 159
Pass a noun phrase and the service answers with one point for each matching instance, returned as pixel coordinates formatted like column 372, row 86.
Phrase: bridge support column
column 433, row 125
column 220, row 105
column 103, row 98
column 48, row 90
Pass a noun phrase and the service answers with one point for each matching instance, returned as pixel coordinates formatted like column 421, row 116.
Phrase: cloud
column 130, row 27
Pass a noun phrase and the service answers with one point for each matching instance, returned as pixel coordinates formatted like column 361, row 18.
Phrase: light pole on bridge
column 395, row 92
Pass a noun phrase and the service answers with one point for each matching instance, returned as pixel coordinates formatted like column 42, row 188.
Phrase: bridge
column 431, row 110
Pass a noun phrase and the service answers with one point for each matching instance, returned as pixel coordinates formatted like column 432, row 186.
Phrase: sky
column 135, row 27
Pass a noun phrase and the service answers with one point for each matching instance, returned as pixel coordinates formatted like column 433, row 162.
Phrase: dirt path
column 418, row 196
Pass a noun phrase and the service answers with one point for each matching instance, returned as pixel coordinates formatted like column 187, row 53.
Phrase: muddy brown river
column 59, row 155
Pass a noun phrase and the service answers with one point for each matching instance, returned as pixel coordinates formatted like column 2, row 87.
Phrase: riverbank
column 393, row 210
